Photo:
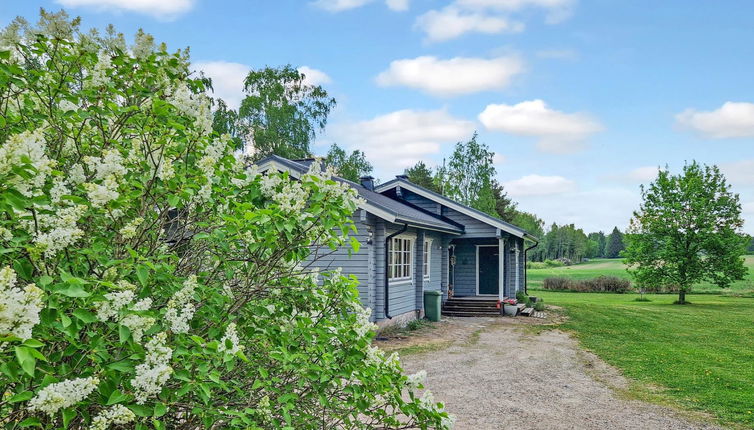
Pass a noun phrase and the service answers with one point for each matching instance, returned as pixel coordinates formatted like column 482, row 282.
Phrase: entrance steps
column 473, row 306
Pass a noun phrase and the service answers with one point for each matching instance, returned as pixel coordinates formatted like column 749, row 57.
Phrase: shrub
column 521, row 297
column 601, row 284
column 148, row 277
column 539, row 305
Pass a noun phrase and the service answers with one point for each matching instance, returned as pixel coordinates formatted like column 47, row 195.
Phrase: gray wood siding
column 357, row 263
column 466, row 270
column 421, row 202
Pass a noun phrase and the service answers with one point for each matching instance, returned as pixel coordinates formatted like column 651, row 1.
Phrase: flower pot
column 510, row 310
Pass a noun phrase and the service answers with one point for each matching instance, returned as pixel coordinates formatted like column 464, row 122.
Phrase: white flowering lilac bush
column 148, row 277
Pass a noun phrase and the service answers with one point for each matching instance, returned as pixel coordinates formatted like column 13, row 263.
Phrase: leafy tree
column 750, row 248
column 614, row 244
column 349, row 166
column 687, row 229
column 468, row 176
column 225, row 121
column 281, row 113
column 148, row 279
column 601, row 240
column 422, row 175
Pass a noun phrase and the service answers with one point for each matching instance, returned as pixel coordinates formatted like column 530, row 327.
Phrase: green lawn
column 701, row 355
column 615, row 267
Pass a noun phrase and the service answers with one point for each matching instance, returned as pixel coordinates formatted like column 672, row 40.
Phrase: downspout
column 526, row 284
column 387, row 268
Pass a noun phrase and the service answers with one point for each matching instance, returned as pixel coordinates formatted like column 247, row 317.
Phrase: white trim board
column 476, row 271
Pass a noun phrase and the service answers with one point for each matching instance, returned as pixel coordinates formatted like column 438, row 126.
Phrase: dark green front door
column 488, row 269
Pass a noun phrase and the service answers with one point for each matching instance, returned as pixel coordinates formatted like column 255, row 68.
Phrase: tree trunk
column 682, row 297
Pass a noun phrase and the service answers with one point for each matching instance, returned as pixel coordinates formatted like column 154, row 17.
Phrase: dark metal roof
column 403, row 213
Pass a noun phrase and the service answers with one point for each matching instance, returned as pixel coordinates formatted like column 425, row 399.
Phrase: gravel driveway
column 493, row 374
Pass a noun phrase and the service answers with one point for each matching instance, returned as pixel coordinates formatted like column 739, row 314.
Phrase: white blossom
column 180, row 307
column 230, row 335
column 116, row 414
column 129, row 230
column 76, row 174
column 114, row 302
column 138, row 324
column 29, row 145
column 5, row 234
column 54, row 397
column 417, row 379
column 99, row 77
column 19, row 308
column 155, row 371
column 66, row 105
column 58, row 190
column 59, row 231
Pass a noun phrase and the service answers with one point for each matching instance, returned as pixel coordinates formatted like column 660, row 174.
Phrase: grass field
column 614, row 267
column 699, row 356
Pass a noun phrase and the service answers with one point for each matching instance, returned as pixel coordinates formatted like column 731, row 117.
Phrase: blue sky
column 580, row 99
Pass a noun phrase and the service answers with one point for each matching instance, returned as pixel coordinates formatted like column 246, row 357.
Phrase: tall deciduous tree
column 281, row 112
column 687, row 230
column 614, row 244
column 349, row 166
column 505, row 207
column 468, row 175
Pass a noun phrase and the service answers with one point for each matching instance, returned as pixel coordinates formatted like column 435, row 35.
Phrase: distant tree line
column 571, row 244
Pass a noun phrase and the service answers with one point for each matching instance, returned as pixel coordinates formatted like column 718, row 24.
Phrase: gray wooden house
column 413, row 239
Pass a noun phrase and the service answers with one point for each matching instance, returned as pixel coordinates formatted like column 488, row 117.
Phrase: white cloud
column 227, row 80
column 607, row 207
column 486, row 16
column 732, row 119
column 558, row 132
column 498, row 159
column 397, row 5
column 557, row 10
column 162, row 9
column 339, row 5
column 644, row 174
column 452, row 77
column 343, row 5
column 538, row 185
column 399, row 139
column 452, row 22
column 314, row 76
column 739, row 173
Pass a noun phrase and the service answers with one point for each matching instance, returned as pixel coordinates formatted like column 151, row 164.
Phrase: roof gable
column 381, row 206
column 452, row 204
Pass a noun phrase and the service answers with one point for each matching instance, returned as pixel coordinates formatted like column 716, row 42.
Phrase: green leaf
column 68, row 415
column 26, row 360
column 123, row 333
column 30, row 422
column 73, row 291
column 45, row 280
column 141, row 410
column 65, row 320
column 160, row 410
column 85, row 315
column 33, row 343
column 121, row 366
column 21, row 397
column 116, row 397
column 142, row 272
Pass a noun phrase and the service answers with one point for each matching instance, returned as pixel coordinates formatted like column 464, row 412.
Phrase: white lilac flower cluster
column 5, row 234
column 54, row 397
column 427, row 401
column 109, row 170
column 117, row 301
column 194, row 105
column 155, row 371
column 29, row 145
column 98, row 75
column 363, row 325
column 19, row 308
column 417, row 379
column 213, row 152
column 116, row 414
column 58, row 231
column 129, row 230
column 181, row 307
column 231, row 335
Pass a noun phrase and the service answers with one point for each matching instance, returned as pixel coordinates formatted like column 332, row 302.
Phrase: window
column 399, row 259
column 427, row 257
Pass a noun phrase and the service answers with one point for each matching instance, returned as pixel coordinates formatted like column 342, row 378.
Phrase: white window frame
column 427, row 259
column 404, row 271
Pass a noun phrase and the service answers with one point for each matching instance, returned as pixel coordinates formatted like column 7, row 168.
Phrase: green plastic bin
column 432, row 305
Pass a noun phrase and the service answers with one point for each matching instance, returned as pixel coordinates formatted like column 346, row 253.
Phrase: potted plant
column 509, row 307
